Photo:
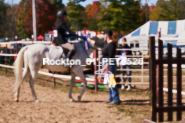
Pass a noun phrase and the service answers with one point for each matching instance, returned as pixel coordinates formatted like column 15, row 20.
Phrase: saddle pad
column 56, row 52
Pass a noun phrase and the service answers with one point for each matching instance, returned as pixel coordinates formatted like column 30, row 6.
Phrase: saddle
column 57, row 52
column 59, row 46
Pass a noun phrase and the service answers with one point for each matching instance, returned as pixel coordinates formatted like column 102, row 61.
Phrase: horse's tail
column 18, row 64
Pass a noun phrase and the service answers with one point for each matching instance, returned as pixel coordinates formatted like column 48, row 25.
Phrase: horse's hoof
column 79, row 98
column 37, row 101
column 72, row 100
column 16, row 100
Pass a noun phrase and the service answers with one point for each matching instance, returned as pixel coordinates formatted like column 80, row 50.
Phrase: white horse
column 32, row 58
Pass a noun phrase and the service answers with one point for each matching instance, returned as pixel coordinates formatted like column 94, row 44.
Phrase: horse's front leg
column 71, row 86
column 82, row 76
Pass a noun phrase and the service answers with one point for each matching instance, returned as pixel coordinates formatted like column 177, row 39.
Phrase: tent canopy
column 169, row 29
column 40, row 37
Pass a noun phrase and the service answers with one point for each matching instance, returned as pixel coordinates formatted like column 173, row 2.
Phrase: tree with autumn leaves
column 99, row 15
column 45, row 17
column 92, row 15
column 123, row 15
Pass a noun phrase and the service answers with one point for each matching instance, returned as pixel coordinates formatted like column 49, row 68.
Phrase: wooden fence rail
column 157, row 77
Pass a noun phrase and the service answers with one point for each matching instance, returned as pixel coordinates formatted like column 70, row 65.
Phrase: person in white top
column 123, row 64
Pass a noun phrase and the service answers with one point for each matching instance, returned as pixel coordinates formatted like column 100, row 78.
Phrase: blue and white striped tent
column 171, row 31
column 168, row 29
column 178, row 39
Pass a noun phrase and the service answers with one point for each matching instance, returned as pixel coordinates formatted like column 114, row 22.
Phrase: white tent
column 171, row 32
column 178, row 39
column 169, row 29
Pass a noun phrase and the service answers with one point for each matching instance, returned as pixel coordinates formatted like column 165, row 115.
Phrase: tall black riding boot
column 70, row 54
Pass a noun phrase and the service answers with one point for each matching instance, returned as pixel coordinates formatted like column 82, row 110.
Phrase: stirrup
column 66, row 66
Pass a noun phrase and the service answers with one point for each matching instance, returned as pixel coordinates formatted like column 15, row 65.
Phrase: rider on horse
column 62, row 33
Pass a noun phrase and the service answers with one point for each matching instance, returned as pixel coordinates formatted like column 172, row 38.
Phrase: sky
column 83, row 3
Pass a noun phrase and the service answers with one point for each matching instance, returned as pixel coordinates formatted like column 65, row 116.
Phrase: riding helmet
column 61, row 13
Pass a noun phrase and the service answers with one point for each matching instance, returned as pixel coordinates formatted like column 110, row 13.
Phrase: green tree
column 75, row 14
column 111, row 17
column 145, row 13
column 22, row 11
column 10, row 20
column 3, row 9
column 132, row 16
column 122, row 15
column 168, row 10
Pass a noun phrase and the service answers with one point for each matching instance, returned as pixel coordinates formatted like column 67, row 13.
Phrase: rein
column 84, row 49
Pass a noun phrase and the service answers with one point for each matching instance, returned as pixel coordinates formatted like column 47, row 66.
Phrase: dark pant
column 127, row 72
column 113, row 92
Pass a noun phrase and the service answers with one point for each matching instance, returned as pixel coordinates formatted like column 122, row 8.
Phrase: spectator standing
column 123, row 64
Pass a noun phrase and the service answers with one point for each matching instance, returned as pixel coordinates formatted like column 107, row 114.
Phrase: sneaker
column 108, row 101
column 122, row 87
column 129, row 88
column 115, row 103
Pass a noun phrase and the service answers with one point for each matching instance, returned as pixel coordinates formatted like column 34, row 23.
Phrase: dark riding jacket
column 62, row 33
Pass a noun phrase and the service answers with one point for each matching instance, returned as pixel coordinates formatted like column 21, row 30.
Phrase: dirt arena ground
column 56, row 108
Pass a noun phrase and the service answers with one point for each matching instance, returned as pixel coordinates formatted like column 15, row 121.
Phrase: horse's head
column 92, row 47
column 95, row 39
